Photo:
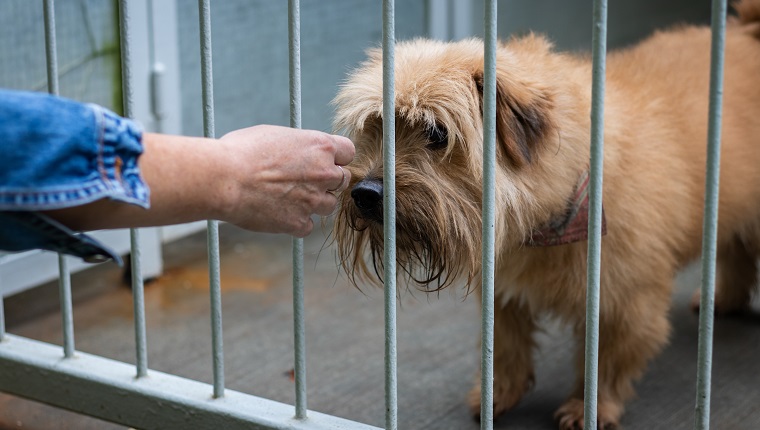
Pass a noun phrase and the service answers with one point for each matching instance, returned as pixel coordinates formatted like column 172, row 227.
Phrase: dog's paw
column 570, row 416
column 504, row 398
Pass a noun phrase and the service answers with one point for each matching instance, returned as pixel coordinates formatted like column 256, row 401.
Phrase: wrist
column 226, row 188
column 189, row 177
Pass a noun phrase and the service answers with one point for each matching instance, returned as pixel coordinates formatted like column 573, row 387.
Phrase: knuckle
column 315, row 202
column 326, row 174
column 324, row 142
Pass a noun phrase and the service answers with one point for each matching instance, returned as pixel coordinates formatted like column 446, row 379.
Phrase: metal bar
column 710, row 226
column 489, row 202
column 127, row 79
column 67, row 313
column 138, row 298
column 212, row 231
column 138, row 302
column 2, row 319
column 389, row 205
column 207, row 72
column 64, row 274
column 107, row 389
column 51, row 53
column 593, row 278
column 215, row 294
column 299, row 327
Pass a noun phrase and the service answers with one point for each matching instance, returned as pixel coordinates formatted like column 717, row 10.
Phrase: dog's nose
column 368, row 198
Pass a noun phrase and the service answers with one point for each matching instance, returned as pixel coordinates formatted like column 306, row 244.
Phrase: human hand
column 281, row 176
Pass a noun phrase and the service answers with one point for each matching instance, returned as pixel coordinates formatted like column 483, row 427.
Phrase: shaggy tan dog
column 654, row 174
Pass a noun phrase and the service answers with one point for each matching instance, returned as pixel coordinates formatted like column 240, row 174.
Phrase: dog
column 655, row 118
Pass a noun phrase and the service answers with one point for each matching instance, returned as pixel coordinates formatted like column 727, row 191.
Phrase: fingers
column 309, row 161
column 344, row 150
column 344, row 179
column 344, row 154
column 305, row 229
column 326, row 205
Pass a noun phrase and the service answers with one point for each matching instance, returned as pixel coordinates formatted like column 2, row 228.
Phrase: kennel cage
column 52, row 375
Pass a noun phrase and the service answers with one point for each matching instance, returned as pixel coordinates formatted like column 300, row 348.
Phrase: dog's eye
column 438, row 138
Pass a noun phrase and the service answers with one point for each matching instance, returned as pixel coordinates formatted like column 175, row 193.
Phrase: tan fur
column 654, row 173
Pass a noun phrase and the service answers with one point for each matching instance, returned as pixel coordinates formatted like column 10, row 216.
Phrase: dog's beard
column 438, row 236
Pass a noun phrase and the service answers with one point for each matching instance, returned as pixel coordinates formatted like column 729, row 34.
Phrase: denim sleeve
column 57, row 153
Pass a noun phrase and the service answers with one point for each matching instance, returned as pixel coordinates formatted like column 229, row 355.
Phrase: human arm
column 263, row 178
column 69, row 166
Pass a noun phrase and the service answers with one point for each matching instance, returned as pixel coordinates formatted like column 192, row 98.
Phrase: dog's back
column 659, row 95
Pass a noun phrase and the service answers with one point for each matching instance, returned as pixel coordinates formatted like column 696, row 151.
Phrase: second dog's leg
column 736, row 279
column 629, row 337
column 513, row 358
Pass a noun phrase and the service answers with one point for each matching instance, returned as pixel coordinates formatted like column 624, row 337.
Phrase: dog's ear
column 523, row 117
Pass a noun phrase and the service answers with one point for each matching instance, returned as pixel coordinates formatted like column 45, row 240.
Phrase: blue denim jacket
column 57, row 153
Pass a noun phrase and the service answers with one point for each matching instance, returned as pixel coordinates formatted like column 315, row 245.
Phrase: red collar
column 570, row 226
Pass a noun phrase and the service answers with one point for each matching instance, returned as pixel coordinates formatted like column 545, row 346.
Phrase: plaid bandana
column 571, row 226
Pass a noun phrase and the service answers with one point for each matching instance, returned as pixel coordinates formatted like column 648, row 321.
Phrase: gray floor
column 437, row 344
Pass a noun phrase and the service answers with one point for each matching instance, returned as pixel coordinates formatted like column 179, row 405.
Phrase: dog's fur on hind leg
column 654, row 171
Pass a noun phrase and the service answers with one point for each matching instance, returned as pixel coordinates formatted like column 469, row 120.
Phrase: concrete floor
column 438, row 350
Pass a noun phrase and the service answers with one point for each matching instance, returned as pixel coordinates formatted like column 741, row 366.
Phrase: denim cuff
column 120, row 145
column 59, row 153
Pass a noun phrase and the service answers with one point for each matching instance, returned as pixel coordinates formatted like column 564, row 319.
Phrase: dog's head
column 439, row 152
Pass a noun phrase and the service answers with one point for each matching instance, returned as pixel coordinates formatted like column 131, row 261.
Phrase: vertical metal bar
column 710, row 226
column 67, row 313
column 2, row 318
column 126, row 56
column 64, row 275
column 215, row 293
column 593, row 278
column 389, row 205
column 489, row 202
column 138, row 300
column 138, row 296
column 215, row 289
column 51, row 52
column 299, row 328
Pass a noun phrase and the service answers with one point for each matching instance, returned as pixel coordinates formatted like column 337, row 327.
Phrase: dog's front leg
column 513, row 358
column 632, row 329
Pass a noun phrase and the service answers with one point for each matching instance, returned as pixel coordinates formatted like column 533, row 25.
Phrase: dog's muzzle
column 368, row 198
